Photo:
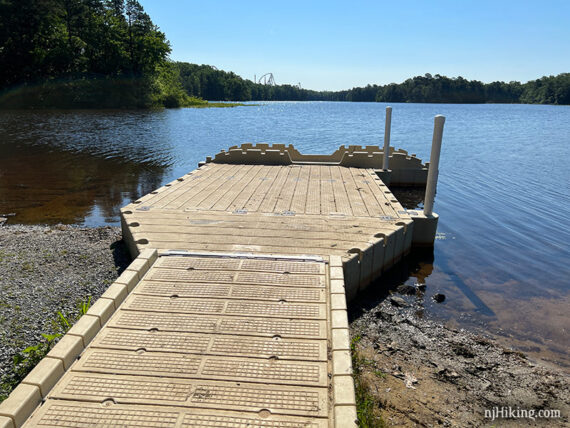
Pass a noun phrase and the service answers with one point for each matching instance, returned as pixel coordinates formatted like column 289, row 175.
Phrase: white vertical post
column 433, row 164
column 387, row 137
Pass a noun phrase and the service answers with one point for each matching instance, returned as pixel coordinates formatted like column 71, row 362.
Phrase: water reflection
column 80, row 174
column 410, row 197
column 519, row 313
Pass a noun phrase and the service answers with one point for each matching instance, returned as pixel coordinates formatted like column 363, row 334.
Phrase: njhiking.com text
column 508, row 412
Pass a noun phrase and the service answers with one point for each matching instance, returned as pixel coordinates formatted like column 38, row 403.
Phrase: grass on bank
column 25, row 360
column 367, row 407
column 194, row 102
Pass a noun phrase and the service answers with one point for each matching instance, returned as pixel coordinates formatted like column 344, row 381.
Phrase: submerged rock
column 438, row 297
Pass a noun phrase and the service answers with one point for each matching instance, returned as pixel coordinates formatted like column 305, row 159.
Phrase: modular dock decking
column 233, row 313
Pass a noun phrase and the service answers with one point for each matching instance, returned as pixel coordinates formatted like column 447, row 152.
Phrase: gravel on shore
column 46, row 269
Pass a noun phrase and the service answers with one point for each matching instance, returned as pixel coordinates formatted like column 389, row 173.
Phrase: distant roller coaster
column 266, row 79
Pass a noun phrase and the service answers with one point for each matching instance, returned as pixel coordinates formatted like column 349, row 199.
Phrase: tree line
column 209, row 83
column 84, row 53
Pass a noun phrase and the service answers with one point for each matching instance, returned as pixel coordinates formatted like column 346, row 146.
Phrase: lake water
column 502, row 257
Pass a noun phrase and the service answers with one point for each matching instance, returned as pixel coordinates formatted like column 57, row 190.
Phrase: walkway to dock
column 207, row 341
column 234, row 312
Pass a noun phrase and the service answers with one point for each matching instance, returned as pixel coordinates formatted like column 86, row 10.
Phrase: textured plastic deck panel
column 193, row 344
column 295, row 209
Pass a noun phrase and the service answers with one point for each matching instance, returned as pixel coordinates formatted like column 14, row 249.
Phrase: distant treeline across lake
column 209, row 83
column 109, row 54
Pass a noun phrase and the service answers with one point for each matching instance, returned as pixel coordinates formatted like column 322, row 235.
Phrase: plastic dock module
column 234, row 311
column 293, row 209
column 213, row 340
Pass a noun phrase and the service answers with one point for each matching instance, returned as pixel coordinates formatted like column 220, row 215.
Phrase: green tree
column 84, row 53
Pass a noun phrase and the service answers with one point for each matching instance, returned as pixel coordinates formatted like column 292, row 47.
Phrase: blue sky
column 338, row 45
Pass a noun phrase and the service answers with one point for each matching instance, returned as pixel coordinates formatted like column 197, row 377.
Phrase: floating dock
column 234, row 311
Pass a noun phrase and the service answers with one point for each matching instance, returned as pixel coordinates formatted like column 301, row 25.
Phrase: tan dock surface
column 208, row 341
column 234, row 312
column 276, row 209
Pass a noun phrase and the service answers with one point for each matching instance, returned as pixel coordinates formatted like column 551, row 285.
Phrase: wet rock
column 398, row 301
column 399, row 319
column 480, row 340
column 462, row 350
column 409, row 290
column 384, row 315
column 438, row 297
column 419, row 342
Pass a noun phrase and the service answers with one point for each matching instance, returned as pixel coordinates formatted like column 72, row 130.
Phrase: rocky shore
column 46, row 269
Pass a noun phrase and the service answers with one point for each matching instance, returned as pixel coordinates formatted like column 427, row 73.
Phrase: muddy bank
column 46, row 269
column 422, row 373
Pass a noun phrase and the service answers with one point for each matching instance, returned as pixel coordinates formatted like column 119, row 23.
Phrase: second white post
column 387, row 137
column 433, row 164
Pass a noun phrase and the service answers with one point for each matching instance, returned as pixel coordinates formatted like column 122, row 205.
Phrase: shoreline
column 416, row 371
column 420, row 371
column 205, row 104
column 49, row 269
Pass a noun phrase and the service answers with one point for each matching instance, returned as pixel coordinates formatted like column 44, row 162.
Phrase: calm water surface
column 502, row 257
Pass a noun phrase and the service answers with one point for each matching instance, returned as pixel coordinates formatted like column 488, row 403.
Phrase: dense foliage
column 547, row 90
column 84, row 53
column 209, row 83
column 441, row 89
